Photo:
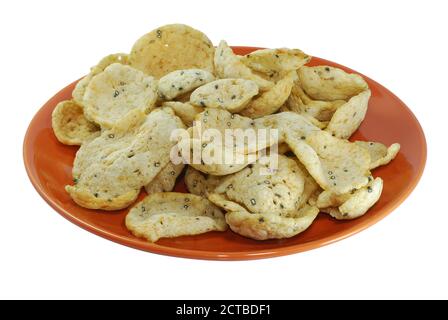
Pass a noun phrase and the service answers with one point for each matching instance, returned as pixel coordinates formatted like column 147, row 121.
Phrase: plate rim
column 234, row 255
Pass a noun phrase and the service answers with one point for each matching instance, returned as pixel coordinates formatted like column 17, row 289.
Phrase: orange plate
column 388, row 120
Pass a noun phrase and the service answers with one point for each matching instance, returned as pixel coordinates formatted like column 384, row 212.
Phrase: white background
column 48, row 44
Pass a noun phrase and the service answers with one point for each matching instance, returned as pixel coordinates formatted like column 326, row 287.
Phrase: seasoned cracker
column 117, row 90
column 301, row 103
column 271, row 226
column 80, row 88
column 70, row 126
column 357, row 203
column 232, row 154
column 380, row 155
column 348, row 117
column 110, row 170
column 278, row 192
column 236, row 161
column 276, row 62
column 185, row 111
column 229, row 94
column 335, row 164
column 199, row 183
column 229, row 65
column 179, row 82
column 330, row 83
column 270, row 101
column 166, row 179
column 172, row 47
column 170, row 214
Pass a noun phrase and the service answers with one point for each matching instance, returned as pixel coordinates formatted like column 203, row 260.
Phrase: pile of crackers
column 124, row 114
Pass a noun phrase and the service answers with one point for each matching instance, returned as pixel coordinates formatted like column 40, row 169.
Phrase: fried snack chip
column 288, row 123
column 330, row 83
column 185, row 111
column 348, row 117
column 270, row 101
column 229, row 65
column 310, row 186
column 199, row 183
column 271, row 226
column 380, row 155
column 111, row 94
column 263, row 206
column 229, row 94
column 357, row 203
column 276, row 62
column 335, row 164
column 235, row 161
column 257, row 191
column 301, row 103
column 234, row 153
column 170, row 214
column 70, row 126
column 80, row 88
column 166, row 179
column 172, row 47
column 180, row 82
column 110, row 170
column 319, row 124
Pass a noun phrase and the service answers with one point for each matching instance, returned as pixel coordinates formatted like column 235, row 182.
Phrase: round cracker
column 229, row 94
column 172, row 47
column 117, row 90
column 229, row 65
column 271, row 226
column 71, row 126
column 185, row 111
column 80, row 88
column 165, row 181
column 180, row 82
column 270, row 101
column 171, row 214
column 273, row 62
column 199, row 183
column 263, row 188
column 110, row 170
column 330, row 83
column 380, row 155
